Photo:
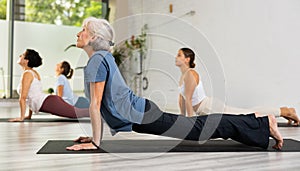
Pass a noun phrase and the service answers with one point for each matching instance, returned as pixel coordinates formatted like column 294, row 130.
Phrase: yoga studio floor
column 20, row 142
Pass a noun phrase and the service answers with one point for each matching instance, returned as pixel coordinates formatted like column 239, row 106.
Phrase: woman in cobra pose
column 112, row 100
column 31, row 94
column 63, row 89
column 193, row 100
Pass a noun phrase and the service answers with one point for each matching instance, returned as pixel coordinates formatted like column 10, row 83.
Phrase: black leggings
column 246, row 129
column 57, row 106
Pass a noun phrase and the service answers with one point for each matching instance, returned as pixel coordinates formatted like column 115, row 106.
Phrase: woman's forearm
column 189, row 108
column 182, row 105
column 182, row 108
column 60, row 90
column 96, row 125
column 96, row 92
column 22, row 103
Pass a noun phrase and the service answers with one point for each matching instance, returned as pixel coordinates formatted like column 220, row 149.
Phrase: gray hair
column 103, row 31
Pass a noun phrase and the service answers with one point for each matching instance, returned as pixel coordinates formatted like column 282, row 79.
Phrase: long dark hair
column 67, row 70
column 188, row 53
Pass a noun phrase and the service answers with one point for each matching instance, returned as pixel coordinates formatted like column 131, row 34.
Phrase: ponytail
column 69, row 76
column 67, row 70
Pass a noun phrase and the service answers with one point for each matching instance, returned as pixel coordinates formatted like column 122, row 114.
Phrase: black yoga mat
column 159, row 146
column 285, row 124
column 49, row 120
column 280, row 124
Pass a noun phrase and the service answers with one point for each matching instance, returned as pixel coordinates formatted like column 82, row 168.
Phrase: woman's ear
column 26, row 60
column 187, row 60
column 94, row 38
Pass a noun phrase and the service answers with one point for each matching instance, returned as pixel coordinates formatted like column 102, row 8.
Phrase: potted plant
column 129, row 56
column 127, row 48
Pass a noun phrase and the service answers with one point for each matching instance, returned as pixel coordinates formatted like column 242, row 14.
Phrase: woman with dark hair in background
column 193, row 100
column 63, row 89
column 31, row 93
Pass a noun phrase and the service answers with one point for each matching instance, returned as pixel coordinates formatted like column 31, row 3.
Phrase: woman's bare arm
column 60, row 90
column 96, row 93
column 26, row 81
column 190, row 85
column 182, row 105
column 96, row 99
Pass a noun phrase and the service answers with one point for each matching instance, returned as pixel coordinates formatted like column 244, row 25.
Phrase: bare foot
column 290, row 115
column 274, row 132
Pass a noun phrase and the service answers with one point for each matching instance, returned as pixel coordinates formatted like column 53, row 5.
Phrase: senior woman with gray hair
column 112, row 100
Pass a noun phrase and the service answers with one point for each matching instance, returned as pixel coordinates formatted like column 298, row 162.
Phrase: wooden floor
column 19, row 143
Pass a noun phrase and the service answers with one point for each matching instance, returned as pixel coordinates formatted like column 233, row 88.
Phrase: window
column 2, row 9
column 62, row 12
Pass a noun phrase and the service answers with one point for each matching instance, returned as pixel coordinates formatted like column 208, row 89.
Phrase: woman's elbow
column 22, row 99
column 95, row 106
column 188, row 101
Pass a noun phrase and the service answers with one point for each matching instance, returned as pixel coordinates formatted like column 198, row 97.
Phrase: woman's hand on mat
column 16, row 120
column 84, row 139
column 83, row 146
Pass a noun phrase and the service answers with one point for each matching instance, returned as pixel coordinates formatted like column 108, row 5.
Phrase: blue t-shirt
column 68, row 94
column 120, row 107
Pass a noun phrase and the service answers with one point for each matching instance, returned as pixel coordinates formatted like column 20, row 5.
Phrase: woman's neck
column 90, row 54
column 184, row 69
column 89, row 50
column 57, row 74
column 26, row 68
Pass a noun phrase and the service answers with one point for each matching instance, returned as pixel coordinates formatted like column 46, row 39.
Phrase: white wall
column 256, row 43
column 247, row 51
column 50, row 41
column 3, row 53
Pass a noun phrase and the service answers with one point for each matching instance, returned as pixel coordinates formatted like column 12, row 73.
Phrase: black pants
column 246, row 129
